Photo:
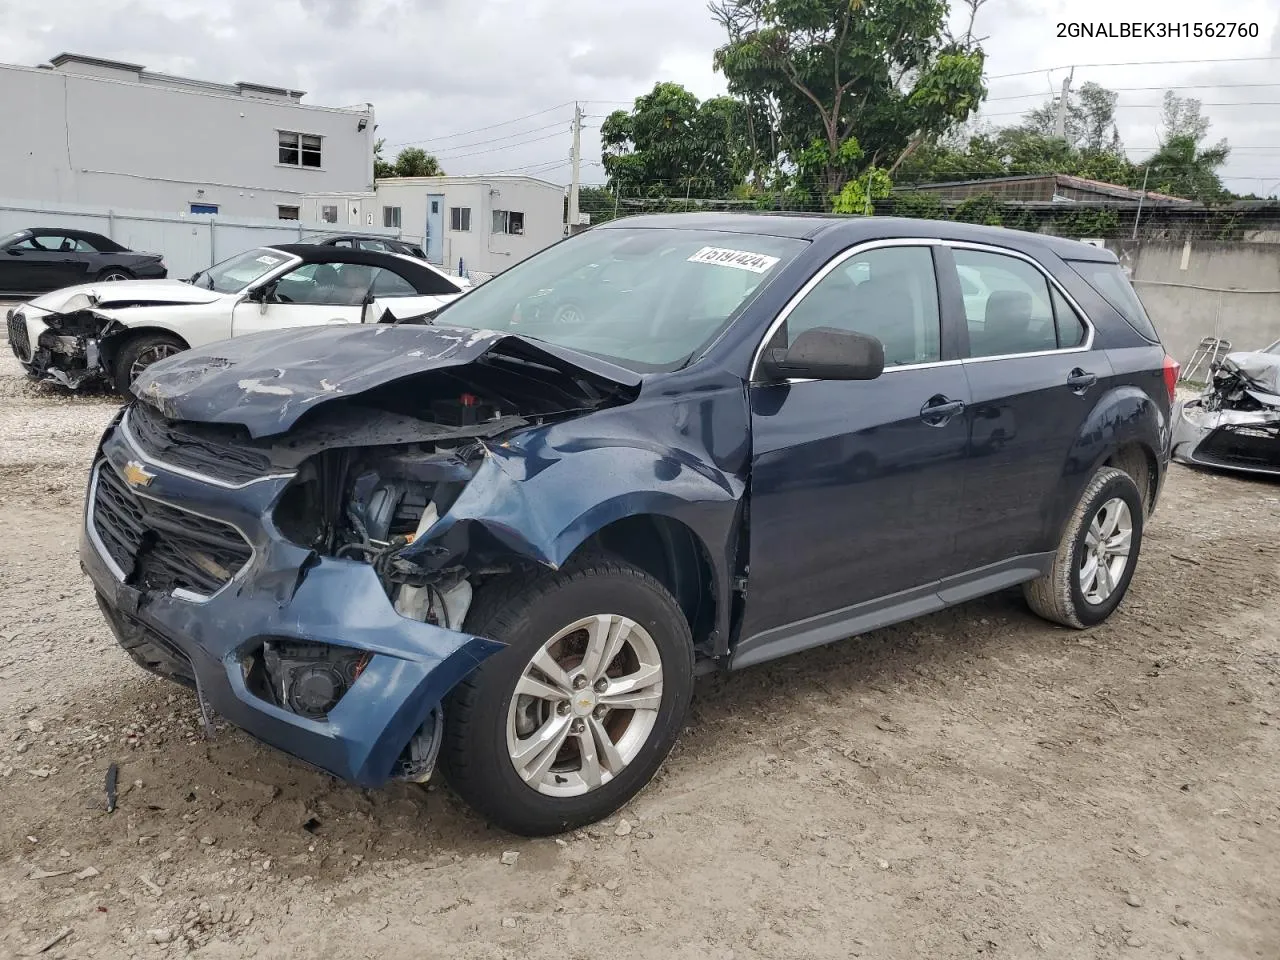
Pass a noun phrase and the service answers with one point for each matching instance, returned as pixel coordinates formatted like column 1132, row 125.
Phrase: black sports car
column 41, row 259
column 379, row 244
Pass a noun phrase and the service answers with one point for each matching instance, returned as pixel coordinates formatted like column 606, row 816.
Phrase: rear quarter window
column 1110, row 283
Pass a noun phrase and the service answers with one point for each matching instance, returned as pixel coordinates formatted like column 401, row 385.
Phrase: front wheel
column 1095, row 560
column 139, row 353
column 575, row 716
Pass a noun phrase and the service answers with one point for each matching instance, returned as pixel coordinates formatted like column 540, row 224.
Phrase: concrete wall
column 156, row 144
column 479, row 248
column 188, row 243
column 1204, row 289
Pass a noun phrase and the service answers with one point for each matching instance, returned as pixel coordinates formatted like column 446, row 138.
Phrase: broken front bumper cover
column 284, row 592
column 63, row 348
column 1227, row 439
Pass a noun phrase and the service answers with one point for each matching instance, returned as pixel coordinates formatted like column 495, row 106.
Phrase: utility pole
column 1146, row 171
column 576, row 157
column 1060, row 126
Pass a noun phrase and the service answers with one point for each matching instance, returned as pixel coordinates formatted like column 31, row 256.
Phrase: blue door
column 853, row 483
column 435, row 228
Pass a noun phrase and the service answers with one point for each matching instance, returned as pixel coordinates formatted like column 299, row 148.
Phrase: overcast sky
column 436, row 69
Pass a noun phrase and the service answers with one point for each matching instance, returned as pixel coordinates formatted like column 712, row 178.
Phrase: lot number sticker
column 740, row 259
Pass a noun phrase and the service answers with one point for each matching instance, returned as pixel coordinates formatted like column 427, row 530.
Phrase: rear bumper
column 287, row 592
column 1227, row 440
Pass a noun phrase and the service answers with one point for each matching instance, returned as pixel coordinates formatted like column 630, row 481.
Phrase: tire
column 1062, row 595
column 527, row 611
column 138, row 353
column 112, row 274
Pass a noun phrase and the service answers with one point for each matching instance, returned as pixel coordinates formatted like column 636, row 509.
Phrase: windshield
column 643, row 298
column 9, row 238
column 232, row 276
column 1274, row 348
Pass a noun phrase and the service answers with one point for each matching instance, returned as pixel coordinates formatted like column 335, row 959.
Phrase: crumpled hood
column 266, row 381
column 127, row 293
column 1261, row 369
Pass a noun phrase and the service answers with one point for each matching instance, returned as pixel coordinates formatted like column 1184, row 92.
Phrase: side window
column 377, row 245
column 332, row 284
column 1071, row 329
column 345, row 244
column 1012, row 312
column 51, row 242
column 85, row 247
column 890, row 293
column 388, row 284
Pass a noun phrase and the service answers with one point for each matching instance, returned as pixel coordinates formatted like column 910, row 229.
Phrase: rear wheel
column 113, row 274
column 137, row 354
column 575, row 716
column 1095, row 560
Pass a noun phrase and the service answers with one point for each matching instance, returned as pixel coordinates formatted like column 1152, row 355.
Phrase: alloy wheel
column 585, row 705
column 1106, row 550
column 149, row 356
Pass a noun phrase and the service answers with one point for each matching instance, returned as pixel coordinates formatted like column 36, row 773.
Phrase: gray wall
column 1205, row 289
column 188, row 243
column 73, row 138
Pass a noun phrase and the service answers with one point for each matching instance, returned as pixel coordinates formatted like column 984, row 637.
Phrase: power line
column 1168, row 86
column 1131, row 63
column 502, row 123
column 505, row 146
column 509, row 136
column 1147, row 106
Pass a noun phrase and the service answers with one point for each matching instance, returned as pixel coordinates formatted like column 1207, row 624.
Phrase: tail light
column 1171, row 368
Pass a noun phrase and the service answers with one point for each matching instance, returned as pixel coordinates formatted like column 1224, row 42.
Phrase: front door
column 853, row 483
column 312, row 294
column 43, row 263
column 435, row 228
column 1033, row 386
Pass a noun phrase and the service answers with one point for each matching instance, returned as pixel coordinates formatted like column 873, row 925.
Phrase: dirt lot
column 977, row 783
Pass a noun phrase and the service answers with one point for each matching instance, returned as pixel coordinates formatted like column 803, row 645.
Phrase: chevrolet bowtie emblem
column 136, row 475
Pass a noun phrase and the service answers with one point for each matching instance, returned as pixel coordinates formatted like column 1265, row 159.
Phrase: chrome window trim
column 192, row 474
column 178, row 593
column 821, row 275
column 863, row 247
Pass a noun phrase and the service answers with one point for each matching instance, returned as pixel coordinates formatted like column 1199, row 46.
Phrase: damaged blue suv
column 505, row 537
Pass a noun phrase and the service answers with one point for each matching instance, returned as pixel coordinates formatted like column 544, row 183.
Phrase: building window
column 508, row 221
column 391, row 216
column 329, row 213
column 299, row 149
column 460, row 219
column 287, row 213
column 204, row 208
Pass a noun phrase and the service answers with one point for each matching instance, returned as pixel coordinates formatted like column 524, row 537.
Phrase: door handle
column 1081, row 380
column 938, row 409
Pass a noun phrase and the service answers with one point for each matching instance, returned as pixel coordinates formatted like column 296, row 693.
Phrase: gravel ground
column 977, row 783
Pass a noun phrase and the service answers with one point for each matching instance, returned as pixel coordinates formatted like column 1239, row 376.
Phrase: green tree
column 416, row 162
column 381, row 168
column 669, row 143
column 885, row 74
column 1090, row 122
column 1183, row 168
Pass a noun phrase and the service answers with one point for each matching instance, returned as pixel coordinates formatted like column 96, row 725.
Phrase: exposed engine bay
column 1235, row 423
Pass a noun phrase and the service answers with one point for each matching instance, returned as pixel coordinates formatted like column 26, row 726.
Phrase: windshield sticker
column 269, row 261
column 740, row 259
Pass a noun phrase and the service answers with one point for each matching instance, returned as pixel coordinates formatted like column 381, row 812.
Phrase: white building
column 82, row 130
column 487, row 223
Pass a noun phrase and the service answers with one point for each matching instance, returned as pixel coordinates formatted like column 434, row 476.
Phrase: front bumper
column 70, row 360
column 284, row 591
column 1227, row 439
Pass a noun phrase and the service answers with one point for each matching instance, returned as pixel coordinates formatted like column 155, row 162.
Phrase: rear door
column 1034, row 379
column 854, row 483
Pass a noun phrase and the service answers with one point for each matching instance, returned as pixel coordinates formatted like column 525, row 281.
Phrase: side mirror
column 825, row 353
column 14, row 252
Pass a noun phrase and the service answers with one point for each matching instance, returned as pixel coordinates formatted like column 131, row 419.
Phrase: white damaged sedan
column 113, row 331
